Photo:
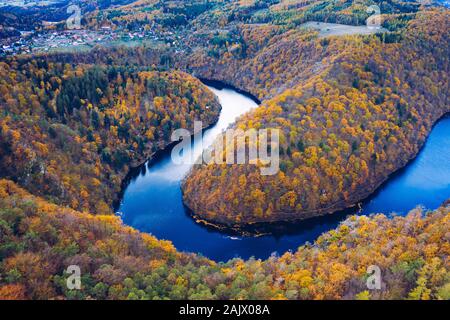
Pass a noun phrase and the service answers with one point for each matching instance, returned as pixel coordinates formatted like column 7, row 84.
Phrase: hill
column 38, row 240
column 351, row 111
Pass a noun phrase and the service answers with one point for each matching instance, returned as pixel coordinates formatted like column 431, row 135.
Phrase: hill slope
column 39, row 240
column 350, row 110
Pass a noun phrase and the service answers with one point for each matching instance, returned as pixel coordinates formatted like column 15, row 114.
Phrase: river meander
column 152, row 201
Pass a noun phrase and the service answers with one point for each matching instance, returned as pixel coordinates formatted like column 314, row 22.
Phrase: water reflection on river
column 152, row 201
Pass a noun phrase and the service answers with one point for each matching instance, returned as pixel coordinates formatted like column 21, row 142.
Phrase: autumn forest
column 352, row 110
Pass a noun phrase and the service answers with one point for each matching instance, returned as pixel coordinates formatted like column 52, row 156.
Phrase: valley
column 86, row 121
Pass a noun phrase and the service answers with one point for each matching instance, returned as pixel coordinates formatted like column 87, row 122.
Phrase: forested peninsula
column 352, row 109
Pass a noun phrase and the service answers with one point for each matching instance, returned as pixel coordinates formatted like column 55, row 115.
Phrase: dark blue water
column 152, row 201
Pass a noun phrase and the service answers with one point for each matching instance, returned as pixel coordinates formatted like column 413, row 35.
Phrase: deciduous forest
column 39, row 239
column 352, row 110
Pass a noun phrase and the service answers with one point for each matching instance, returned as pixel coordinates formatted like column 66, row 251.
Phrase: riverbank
column 284, row 222
column 346, row 123
column 154, row 204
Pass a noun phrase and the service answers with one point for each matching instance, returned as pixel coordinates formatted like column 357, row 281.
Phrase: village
column 83, row 39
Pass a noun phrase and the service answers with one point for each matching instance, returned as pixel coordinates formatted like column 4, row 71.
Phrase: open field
column 336, row 29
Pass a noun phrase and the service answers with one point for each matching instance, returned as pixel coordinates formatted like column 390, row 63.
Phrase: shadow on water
column 152, row 198
column 279, row 229
column 219, row 85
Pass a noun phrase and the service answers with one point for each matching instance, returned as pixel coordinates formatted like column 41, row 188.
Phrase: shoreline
column 281, row 226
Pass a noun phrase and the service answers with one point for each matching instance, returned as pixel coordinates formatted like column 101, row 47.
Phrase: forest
column 71, row 133
column 39, row 239
column 352, row 110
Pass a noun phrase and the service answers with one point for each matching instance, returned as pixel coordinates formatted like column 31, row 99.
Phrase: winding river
column 152, row 200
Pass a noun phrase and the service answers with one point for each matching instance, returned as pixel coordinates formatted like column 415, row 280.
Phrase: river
column 152, row 200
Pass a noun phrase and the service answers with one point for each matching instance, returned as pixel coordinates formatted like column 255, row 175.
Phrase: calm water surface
column 152, row 201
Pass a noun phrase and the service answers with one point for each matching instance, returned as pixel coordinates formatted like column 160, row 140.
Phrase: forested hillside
column 38, row 240
column 71, row 133
column 351, row 110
